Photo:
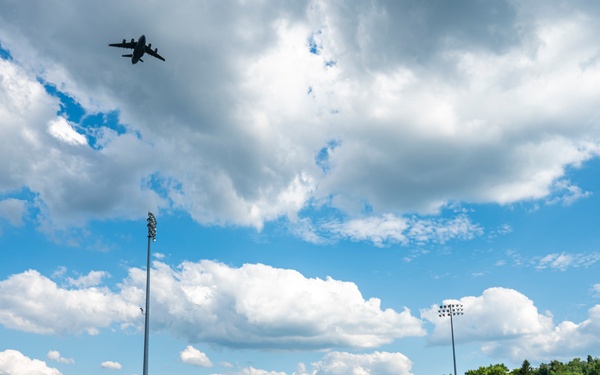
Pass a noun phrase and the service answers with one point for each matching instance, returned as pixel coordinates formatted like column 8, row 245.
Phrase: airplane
column 139, row 48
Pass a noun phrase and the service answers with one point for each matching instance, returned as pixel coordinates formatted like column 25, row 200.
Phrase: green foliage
column 500, row 369
column 591, row 366
column 526, row 368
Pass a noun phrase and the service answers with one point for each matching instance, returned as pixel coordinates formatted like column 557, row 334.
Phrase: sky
column 324, row 175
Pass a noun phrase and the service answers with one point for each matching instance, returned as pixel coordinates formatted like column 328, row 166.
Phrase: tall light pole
column 451, row 310
column 151, row 237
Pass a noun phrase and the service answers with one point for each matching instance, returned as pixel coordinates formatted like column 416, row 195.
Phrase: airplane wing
column 154, row 53
column 130, row 45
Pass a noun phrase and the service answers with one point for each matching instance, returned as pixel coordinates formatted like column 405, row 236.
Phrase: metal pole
column 147, row 310
column 453, row 352
column 151, row 237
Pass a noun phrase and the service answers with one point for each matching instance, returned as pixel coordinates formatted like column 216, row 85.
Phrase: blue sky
column 323, row 176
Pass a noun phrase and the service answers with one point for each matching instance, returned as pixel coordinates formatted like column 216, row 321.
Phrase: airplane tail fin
column 130, row 55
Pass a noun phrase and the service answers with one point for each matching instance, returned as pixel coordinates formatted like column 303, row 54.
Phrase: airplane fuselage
column 139, row 49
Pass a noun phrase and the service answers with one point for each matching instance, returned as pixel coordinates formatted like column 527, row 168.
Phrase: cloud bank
column 386, row 108
column 261, row 307
column 254, row 306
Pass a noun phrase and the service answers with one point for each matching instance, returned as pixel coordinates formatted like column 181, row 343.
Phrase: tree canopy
column 591, row 366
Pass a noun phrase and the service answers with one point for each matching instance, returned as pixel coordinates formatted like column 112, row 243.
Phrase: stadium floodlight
column 451, row 310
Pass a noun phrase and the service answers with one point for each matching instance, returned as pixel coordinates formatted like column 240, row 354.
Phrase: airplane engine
column 124, row 41
column 132, row 41
column 150, row 45
column 156, row 50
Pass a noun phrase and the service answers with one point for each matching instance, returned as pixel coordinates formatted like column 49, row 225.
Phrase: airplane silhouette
column 139, row 48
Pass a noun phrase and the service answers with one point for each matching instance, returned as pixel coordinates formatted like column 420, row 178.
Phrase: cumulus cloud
column 14, row 362
column 377, row 363
column 54, row 355
column 264, row 307
column 564, row 340
column 194, row 357
column 320, row 102
column 254, row 306
column 111, row 365
column 490, row 316
column 32, row 302
column 507, row 324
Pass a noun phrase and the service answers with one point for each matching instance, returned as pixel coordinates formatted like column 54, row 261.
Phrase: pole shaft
column 147, row 311
column 452, row 331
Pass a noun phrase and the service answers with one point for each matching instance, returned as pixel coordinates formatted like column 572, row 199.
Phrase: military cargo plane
column 139, row 48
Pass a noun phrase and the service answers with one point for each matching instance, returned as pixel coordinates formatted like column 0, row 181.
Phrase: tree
column 576, row 366
column 544, row 369
column 557, row 367
column 498, row 369
column 525, row 368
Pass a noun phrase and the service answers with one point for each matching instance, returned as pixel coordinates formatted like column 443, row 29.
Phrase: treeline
column 591, row 366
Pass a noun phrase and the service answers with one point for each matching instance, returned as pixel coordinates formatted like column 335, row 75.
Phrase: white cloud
column 377, row 363
column 493, row 108
column 342, row 363
column 62, row 130
column 254, row 306
column 15, row 363
column 566, row 193
column 264, row 307
column 508, row 325
column 31, row 302
column 253, row 371
column 555, row 261
column 194, row 357
column 59, row 272
column 502, row 230
column 391, row 229
column 111, row 365
column 563, row 340
column 91, row 279
column 379, row 230
column 55, row 356
column 558, row 261
column 564, row 261
column 490, row 316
